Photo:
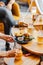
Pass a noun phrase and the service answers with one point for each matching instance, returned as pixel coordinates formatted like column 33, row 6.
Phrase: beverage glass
column 40, row 37
column 18, row 50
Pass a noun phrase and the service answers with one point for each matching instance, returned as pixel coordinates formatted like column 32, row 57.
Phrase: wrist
column 12, row 1
column 9, row 6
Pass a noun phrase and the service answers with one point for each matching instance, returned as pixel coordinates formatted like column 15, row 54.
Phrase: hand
column 2, row 4
column 8, row 38
column 10, row 53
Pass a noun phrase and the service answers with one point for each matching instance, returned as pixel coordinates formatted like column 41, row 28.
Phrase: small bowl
column 22, row 41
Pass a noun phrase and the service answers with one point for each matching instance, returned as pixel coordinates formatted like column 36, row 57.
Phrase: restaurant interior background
column 28, row 13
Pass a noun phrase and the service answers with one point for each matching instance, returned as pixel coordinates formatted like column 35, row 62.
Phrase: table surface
column 30, row 60
column 34, row 47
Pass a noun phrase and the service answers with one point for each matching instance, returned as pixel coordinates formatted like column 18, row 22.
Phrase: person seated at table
column 9, row 53
column 6, row 16
column 5, row 11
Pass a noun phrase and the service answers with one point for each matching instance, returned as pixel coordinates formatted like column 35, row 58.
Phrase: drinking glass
column 18, row 49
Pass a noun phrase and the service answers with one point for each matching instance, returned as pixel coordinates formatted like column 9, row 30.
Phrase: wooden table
column 38, row 26
column 34, row 48
column 30, row 60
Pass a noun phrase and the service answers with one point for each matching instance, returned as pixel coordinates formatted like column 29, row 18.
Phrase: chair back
column 1, row 27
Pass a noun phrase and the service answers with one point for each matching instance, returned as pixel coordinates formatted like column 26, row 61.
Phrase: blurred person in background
column 6, row 16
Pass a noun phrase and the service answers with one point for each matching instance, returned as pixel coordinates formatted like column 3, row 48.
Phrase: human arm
column 8, row 38
column 9, row 5
column 10, row 53
column 2, row 4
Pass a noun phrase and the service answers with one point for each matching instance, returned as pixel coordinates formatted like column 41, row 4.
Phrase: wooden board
column 34, row 48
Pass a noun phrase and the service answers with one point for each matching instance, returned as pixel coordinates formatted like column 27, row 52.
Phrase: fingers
column 2, row 4
column 11, row 53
